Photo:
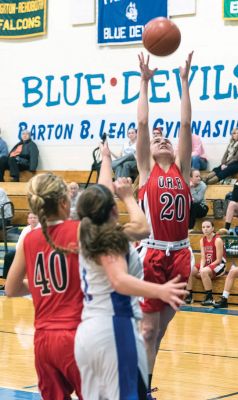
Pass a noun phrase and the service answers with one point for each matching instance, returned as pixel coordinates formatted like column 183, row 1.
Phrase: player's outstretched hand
column 123, row 188
column 105, row 151
column 184, row 71
column 173, row 291
column 146, row 72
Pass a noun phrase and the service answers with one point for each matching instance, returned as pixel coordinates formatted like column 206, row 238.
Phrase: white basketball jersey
column 99, row 296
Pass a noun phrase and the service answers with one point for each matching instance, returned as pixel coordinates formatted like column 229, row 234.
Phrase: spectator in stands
column 229, row 162
column 158, row 131
column 33, row 223
column 23, row 156
column 125, row 164
column 199, row 160
column 7, row 209
column 232, row 275
column 198, row 188
column 212, row 263
column 74, row 194
column 232, row 211
column 3, row 146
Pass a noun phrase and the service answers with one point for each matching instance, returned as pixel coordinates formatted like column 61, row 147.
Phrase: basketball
column 161, row 36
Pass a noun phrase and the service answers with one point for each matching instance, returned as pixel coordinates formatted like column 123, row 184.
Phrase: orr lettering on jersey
column 170, row 183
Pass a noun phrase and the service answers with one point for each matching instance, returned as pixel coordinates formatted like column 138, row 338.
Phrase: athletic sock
column 225, row 294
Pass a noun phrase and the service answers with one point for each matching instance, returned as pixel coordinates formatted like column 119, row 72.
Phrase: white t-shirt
column 129, row 148
column 25, row 231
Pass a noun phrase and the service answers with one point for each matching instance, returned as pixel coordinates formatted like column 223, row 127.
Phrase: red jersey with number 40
column 54, row 279
column 165, row 199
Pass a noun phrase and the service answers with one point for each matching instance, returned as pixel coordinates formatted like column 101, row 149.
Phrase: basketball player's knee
column 204, row 272
column 232, row 206
column 233, row 273
column 149, row 333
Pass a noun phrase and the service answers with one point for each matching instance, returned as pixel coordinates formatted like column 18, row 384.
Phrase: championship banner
column 230, row 9
column 122, row 21
column 20, row 19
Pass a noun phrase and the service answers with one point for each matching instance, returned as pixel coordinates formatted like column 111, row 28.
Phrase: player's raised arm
column 183, row 159
column 136, row 228
column 105, row 175
column 143, row 136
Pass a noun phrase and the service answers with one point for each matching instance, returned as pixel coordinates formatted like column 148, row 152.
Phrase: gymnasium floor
column 198, row 358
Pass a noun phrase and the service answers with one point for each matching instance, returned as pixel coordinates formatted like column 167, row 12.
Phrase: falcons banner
column 123, row 21
column 20, row 19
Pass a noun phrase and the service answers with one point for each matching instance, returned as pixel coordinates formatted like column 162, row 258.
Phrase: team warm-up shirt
column 99, row 296
column 54, row 279
column 165, row 199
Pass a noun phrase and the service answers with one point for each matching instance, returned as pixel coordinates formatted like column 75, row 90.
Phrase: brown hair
column 210, row 221
column 192, row 171
column 233, row 132
column 99, row 233
column 44, row 193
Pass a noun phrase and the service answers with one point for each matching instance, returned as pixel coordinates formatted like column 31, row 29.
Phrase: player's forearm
column 143, row 106
column 138, row 227
column 19, row 290
column 129, row 285
column 105, row 176
column 219, row 256
column 186, row 110
column 202, row 262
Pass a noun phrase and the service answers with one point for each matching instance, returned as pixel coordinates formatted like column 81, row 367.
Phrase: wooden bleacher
column 17, row 194
column 80, row 177
column 17, row 190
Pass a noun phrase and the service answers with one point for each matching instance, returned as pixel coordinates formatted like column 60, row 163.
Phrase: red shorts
column 159, row 268
column 58, row 374
column 217, row 270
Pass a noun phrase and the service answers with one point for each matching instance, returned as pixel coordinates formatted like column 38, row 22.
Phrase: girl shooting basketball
column 164, row 196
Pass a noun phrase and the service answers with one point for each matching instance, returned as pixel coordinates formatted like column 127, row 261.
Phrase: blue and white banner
column 123, row 21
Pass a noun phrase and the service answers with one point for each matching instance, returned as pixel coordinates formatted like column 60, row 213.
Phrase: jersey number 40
column 53, row 276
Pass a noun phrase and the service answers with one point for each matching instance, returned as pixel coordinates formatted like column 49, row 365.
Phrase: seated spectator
column 229, row 162
column 3, row 147
column 33, row 223
column 74, row 193
column 232, row 211
column 198, row 188
column 198, row 160
column 232, row 275
column 7, row 209
column 125, row 164
column 212, row 263
column 23, row 156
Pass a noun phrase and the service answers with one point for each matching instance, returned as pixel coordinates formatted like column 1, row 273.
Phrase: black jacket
column 28, row 154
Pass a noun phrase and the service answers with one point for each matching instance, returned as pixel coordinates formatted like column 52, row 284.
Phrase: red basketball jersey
column 210, row 250
column 165, row 199
column 54, row 279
